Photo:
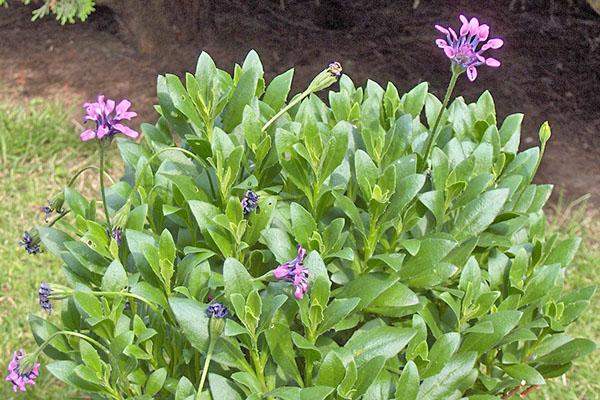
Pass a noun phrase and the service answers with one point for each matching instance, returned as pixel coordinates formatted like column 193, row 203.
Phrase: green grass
column 40, row 149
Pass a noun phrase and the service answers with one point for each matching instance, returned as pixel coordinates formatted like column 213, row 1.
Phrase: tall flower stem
column 211, row 347
column 286, row 108
column 101, row 173
column 457, row 70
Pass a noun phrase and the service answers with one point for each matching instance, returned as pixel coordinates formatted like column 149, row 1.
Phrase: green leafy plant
column 263, row 248
column 64, row 10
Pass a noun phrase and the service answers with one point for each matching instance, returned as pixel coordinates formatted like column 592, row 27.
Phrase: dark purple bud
column 249, row 202
column 217, row 310
column 44, row 294
column 31, row 242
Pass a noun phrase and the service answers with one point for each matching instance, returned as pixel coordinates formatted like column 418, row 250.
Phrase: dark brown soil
column 550, row 71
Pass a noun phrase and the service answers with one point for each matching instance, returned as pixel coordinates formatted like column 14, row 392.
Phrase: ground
column 550, row 71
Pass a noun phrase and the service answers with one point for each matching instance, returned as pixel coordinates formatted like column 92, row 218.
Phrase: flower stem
column 101, row 173
column 211, row 347
column 456, row 72
column 286, row 108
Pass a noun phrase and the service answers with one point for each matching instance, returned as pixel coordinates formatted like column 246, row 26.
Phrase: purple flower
column 19, row 375
column 249, row 202
column 116, row 234
column 44, row 294
column 108, row 119
column 464, row 49
column 217, row 310
column 293, row 271
column 31, row 242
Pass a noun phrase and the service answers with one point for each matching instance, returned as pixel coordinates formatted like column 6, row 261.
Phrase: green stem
column 69, row 333
column 456, row 72
column 58, row 218
column 127, row 294
column 308, row 364
column 211, row 347
column 82, row 170
column 260, row 374
column 104, row 203
column 285, row 109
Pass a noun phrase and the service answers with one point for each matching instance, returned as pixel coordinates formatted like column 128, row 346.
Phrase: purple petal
column 102, row 131
column 280, row 272
column 88, row 134
column 464, row 29
column 472, row 73
column 473, row 26
column 453, row 34
column 493, row 44
column 492, row 62
column 450, row 52
column 298, row 293
column 110, row 106
column 441, row 43
column 442, row 29
column 484, row 31
column 127, row 131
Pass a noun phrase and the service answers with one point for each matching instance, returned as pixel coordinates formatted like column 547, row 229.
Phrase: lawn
column 39, row 149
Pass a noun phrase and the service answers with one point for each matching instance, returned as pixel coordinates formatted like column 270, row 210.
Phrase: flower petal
column 88, row 134
column 473, row 26
column 484, row 32
column 127, row 131
column 442, row 29
column 110, row 106
column 450, row 52
column 123, row 106
column 472, row 73
column 493, row 44
column 464, row 29
column 492, row 62
column 102, row 131
column 453, row 34
column 441, row 43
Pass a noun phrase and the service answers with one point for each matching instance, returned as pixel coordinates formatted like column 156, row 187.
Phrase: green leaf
column 407, row 387
column 236, row 277
column 451, row 381
column 539, row 285
column 155, row 382
column 303, row 224
column 502, row 322
column 89, row 304
column 278, row 90
column 386, row 341
column 191, row 317
column 222, row 388
column 367, row 288
column 76, row 202
column 366, row 173
column 336, row 311
column 476, row 216
column 567, row 352
column 523, row 372
column 90, row 356
column 115, row 277
column 414, row 100
column 332, row 371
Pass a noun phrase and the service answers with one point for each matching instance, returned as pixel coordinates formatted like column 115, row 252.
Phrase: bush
column 309, row 251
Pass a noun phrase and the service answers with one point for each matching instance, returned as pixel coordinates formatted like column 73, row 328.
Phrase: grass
column 40, row 149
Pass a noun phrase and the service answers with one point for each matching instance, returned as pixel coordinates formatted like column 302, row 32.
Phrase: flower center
column 465, row 55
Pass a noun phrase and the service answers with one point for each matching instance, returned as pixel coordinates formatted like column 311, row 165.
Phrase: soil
column 550, row 71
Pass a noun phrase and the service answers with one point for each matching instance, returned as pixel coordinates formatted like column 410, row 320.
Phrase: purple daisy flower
column 249, row 202
column 217, row 310
column 30, row 242
column 44, row 295
column 18, row 376
column 108, row 119
column 464, row 50
column 294, row 272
